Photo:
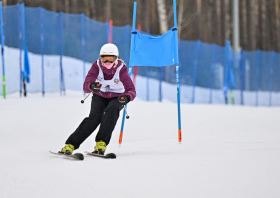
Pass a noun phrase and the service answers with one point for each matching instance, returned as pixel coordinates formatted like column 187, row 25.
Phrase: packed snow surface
column 227, row 151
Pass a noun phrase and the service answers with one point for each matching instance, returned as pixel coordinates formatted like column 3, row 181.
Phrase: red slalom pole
column 110, row 35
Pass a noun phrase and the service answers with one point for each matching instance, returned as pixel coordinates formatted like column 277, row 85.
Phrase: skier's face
column 108, row 59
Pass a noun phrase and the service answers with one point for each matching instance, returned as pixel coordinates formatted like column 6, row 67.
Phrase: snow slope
column 226, row 151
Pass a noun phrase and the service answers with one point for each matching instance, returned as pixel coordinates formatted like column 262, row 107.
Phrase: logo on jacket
column 107, row 88
column 116, row 81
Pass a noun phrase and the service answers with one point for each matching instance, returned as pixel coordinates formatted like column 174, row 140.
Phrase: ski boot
column 100, row 148
column 67, row 150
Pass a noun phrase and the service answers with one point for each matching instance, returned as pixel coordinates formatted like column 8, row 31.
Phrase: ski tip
column 79, row 156
column 111, row 156
column 119, row 145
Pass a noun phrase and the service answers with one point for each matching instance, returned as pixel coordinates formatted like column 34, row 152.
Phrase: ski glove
column 124, row 99
column 95, row 87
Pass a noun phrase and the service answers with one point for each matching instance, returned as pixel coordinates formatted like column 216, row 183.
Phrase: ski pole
column 127, row 116
column 82, row 101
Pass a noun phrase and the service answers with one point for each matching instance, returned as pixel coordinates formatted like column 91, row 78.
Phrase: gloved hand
column 124, row 99
column 95, row 87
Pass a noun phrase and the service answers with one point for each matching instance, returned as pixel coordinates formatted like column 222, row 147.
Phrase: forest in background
column 210, row 21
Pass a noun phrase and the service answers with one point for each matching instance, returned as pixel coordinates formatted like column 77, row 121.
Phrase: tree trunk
column 244, row 27
column 218, row 27
column 139, row 13
column 92, row 7
column 54, row 6
column 67, row 6
column 199, row 19
column 4, row 2
column 209, row 18
column 180, row 17
column 108, row 4
column 251, row 31
column 87, row 8
column 147, row 16
column 263, row 25
column 277, row 25
column 163, row 24
column 226, row 20
column 154, row 24
column 74, row 6
column 128, row 12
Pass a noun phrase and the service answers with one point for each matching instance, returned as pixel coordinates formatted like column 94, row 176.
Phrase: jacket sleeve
column 91, row 77
column 127, row 83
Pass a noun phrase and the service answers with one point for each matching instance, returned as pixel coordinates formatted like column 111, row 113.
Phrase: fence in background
column 63, row 46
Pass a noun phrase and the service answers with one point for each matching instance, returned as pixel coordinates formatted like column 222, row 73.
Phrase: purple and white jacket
column 108, row 75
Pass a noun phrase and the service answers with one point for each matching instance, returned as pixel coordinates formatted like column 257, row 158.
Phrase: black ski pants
column 104, row 111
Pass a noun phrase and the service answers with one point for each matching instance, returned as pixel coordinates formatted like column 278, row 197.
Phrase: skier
column 112, row 88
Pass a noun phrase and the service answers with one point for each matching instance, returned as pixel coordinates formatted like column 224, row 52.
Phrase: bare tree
column 54, row 6
column 127, row 12
column 163, row 24
column 154, row 28
column 74, row 6
column 4, row 2
column 243, row 27
column 251, row 31
column 226, row 24
column 147, row 16
column 67, row 6
column 218, row 25
column 139, row 13
column 87, row 8
column 263, row 24
column 109, row 10
column 277, row 25
column 208, row 20
column 199, row 18
column 92, row 8
column 180, row 17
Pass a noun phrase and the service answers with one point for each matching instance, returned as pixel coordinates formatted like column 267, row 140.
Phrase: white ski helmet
column 109, row 49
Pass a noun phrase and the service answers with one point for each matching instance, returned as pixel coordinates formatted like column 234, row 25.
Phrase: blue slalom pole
column 227, row 65
column 160, row 84
column 241, row 77
column 212, row 72
column 271, row 77
column 62, row 86
column 83, row 44
column 257, row 77
column 176, row 60
column 195, row 69
column 2, row 52
column 25, row 68
column 42, row 50
column 130, row 68
column 147, row 81
column 147, row 84
column 20, row 48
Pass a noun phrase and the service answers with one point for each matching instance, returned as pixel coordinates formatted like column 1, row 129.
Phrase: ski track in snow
column 226, row 151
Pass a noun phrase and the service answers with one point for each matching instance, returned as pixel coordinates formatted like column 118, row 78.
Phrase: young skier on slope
column 112, row 87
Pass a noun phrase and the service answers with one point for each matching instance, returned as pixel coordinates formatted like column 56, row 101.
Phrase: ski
column 107, row 156
column 75, row 156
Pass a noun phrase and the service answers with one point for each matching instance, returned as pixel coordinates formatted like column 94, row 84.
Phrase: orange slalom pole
column 120, row 139
column 180, row 136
